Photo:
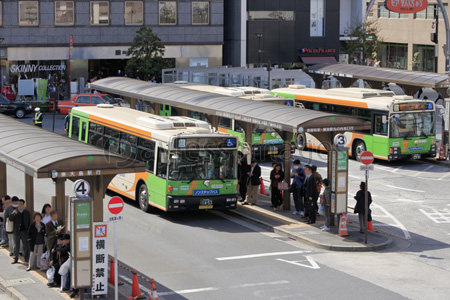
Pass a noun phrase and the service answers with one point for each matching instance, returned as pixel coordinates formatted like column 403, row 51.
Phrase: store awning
column 313, row 60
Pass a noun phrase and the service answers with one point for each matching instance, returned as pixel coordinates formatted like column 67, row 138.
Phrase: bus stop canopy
column 44, row 154
column 284, row 118
column 416, row 78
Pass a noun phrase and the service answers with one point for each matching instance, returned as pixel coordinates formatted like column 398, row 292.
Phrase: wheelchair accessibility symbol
column 231, row 142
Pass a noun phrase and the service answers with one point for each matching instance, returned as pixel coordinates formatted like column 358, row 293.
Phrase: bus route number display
column 413, row 106
column 224, row 142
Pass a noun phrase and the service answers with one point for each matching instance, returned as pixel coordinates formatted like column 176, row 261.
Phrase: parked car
column 84, row 100
column 17, row 109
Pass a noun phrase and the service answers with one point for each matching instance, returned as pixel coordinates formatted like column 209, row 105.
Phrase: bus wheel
column 360, row 147
column 143, row 198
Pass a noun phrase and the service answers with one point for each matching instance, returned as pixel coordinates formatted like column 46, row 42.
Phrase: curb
column 311, row 242
column 10, row 290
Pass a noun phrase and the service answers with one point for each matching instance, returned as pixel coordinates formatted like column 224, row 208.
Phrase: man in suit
column 21, row 218
column 253, row 183
column 310, row 195
column 51, row 229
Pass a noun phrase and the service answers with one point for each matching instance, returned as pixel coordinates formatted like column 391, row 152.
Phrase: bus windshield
column 202, row 164
column 413, row 124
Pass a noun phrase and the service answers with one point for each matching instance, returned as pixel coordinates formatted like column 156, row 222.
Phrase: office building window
column 428, row 13
column 383, row 12
column 99, row 13
column 28, row 13
column 317, row 18
column 200, row 12
column 271, row 15
column 134, row 12
column 394, row 56
column 64, row 13
column 167, row 12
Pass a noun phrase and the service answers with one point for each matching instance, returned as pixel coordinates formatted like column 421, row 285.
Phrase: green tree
column 365, row 39
column 146, row 53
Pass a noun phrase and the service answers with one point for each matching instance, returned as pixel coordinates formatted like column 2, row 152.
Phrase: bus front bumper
column 178, row 203
column 396, row 154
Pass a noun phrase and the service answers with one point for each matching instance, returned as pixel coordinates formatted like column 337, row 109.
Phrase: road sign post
column 115, row 207
column 366, row 158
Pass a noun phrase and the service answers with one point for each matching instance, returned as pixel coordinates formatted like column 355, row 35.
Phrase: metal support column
column 29, row 193
column 98, row 184
column 183, row 112
column 60, row 201
column 157, row 108
column 287, row 137
column 3, row 178
column 214, row 121
column 248, row 129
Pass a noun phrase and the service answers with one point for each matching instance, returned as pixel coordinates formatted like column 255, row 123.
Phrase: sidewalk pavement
column 284, row 223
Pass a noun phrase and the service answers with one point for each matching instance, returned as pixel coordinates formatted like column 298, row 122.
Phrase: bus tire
column 142, row 197
column 358, row 149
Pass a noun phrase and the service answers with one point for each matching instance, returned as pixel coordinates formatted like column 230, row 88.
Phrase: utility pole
column 435, row 37
column 269, row 68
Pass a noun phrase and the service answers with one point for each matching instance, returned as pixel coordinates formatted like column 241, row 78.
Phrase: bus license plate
column 416, row 156
column 206, row 204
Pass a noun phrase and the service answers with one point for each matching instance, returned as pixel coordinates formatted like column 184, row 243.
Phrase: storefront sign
column 317, row 50
column 100, row 260
column 33, row 68
column 406, row 6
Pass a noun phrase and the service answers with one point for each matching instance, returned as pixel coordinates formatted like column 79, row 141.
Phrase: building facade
column 407, row 38
column 288, row 32
column 37, row 35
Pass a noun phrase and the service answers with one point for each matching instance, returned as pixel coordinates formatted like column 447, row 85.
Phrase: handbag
column 321, row 210
column 283, row 186
column 64, row 269
column 9, row 225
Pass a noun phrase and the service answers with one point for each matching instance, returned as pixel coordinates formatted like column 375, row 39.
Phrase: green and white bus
column 402, row 127
column 188, row 165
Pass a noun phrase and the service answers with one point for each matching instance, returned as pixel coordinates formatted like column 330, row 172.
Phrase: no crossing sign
column 366, row 157
column 115, row 205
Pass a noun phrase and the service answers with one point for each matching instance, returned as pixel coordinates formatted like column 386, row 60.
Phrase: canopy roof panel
column 274, row 115
column 406, row 77
column 44, row 154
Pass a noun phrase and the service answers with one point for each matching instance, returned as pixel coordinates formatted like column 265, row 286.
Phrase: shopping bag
column 65, row 267
column 283, row 186
column 321, row 211
column 44, row 261
column 51, row 274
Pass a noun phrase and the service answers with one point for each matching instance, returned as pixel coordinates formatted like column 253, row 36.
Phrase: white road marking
column 261, row 255
column 448, row 174
column 424, row 170
column 208, row 289
column 141, row 287
column 397, row 222
column 245, row 285
column 312, row 264
column 396, row 169
column 407, row 200
column 438, row 216
column 405, row 189
column 352, row 176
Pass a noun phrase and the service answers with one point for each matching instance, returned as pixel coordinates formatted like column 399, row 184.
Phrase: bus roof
column 144, row 124
column 354, row 97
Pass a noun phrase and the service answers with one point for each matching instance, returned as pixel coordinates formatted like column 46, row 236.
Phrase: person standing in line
column 298, row 177
column 242, row 175
column 38, row 117
column 360, row 207
column 46, row 210
column 21, row 218
column 310, row 195
column 10, row 224
column 276, row 177
column 51, row 229
column 4, row 236
column 326, row 204
column 36, row 234
column 253, row 183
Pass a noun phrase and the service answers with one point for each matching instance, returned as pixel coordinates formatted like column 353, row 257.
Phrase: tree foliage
column 366, row 40
column 146, row 54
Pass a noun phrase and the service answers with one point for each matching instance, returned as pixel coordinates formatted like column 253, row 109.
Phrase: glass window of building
column 383, row 12
column 317, row 18
column 99, row 13
column 167, row 12
column 134, row 12
column 423, row 58
column 394, row 56
column 28, row 13
column 428, row 13
column 64, row 13
column 271, row 15
column 200, row 13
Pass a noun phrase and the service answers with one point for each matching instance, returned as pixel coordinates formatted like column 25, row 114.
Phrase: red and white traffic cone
column 153, row 292
column 111, row 272
column 135, row 290
column 441, row 153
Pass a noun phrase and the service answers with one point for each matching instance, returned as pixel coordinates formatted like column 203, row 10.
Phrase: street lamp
column 259, row 35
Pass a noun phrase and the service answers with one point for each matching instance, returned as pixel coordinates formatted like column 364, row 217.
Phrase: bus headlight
column 231, row 199
column 176, row 201
column 182, row 201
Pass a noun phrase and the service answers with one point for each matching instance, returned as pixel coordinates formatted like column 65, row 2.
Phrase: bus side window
column 146, row 153
column 380, row 124
column 111, row 142
column 238, row 127
column 161, row 167
column 75, row 128
column 128, row 145
column 225, row 123
column 95, row 136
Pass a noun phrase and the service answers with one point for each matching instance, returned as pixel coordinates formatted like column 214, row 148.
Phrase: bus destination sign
column 413, row 106
column 208, row 142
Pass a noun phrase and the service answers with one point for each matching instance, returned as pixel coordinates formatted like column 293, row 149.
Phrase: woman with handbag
column 276, row 178
column 36, row 234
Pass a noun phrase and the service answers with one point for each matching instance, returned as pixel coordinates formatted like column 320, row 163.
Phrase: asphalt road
column 212, row 256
